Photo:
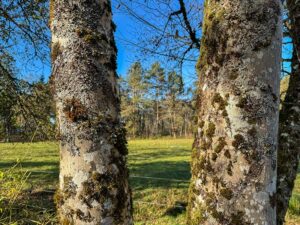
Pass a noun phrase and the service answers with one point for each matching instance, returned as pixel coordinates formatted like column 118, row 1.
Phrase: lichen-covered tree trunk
column 289, row 129
column 234, row 153
column 93, row 181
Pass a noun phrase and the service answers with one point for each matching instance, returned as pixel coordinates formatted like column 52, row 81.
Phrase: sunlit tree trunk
column 289, row 129
column 174, row 122
column 93, row 180
column 157, row 117
column 7, row 125
column 234, row 154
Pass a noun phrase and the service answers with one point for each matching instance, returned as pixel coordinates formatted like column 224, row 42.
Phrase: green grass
column 155, row 201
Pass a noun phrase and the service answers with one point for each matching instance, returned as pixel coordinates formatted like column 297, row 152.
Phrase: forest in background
column 154, row 103
column 156, row 98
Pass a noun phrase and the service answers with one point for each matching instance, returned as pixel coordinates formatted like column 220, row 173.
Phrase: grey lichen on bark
column 93, row 180
column 234, row 154
column 289, row 129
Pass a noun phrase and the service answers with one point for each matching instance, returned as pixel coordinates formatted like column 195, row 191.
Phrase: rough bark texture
column 93, row 181
column 234, row 153
column 289, row 129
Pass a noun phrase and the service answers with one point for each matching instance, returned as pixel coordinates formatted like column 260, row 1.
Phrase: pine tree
column 157, row 83
column 136, row 87
column 175, row 87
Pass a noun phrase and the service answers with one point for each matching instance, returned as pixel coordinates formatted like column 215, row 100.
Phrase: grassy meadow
column 159, row 172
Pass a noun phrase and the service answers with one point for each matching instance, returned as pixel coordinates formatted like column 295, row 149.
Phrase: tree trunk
column 289, row 129
column 185, row 124
column 7, row 125
column 174, row 123
column 93, row 180
column 234, row 153
column 157, row 117
column 171, row 122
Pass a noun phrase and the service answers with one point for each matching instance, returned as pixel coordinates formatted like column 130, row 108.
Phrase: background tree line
column 26, row 109
column 148, row 102
column 155, row 103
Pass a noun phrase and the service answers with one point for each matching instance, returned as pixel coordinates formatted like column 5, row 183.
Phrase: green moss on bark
column 205, row 145
column 211, row 130
column 239, row 141
column 58, row 199
column 201, row 124
column 90, row 36
column 51, row 11
column 211, row 43
column 252, row 132
column 226, row 193
column 221, row 144
column 218, row 99
column 69, row 187
column 227, row 154
column 229, row 168
column 242, row 103
column 214, row 156
column 238, row 219
column 56, row 50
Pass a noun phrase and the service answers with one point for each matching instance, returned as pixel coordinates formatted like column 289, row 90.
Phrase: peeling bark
column 289, row 129
column 235, row 151
column 93, row 180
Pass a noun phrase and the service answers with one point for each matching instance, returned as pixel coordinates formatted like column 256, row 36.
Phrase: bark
column 93, row 180
column 289, row 129
column 7, row 125
column 174, row 123
column 157, row 117
column 234, row 153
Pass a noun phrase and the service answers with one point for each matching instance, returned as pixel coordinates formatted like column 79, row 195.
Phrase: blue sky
column 122, row 23
column 34, row 68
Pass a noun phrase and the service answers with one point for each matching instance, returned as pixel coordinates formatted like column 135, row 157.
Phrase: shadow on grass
column 41, row 172
column 30, row 209
column 168, row 171
column 177, row 209
column 155, row 153
column 29, row 165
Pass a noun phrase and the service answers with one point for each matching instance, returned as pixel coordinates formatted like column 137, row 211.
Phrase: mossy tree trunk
column 234, row 153
column 93, row 181
column 289, row 129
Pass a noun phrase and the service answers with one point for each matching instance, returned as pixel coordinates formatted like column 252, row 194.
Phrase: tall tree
column 289, row 129
column 157, row 84
column 8, row 100
column 93, row 181
column 25, row 107
column 141, row 100
column 234, row 153
column 136, row 88
column 174, row 89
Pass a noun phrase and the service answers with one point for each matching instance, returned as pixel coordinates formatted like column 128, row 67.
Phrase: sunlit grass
column 160, row 202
